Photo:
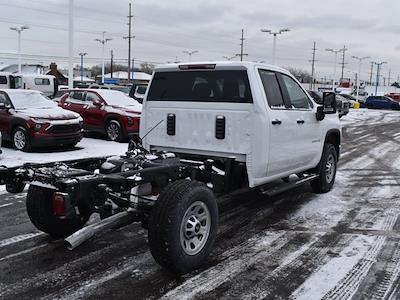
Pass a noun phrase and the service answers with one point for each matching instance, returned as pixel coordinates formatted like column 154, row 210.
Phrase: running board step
column 275, row 190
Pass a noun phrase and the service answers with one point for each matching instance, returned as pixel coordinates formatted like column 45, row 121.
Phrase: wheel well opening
column 334, row 139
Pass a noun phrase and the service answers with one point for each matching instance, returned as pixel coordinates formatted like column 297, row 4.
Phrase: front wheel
column 326, row 170
column 114, row 131
column 20, row 139
column 183, row 226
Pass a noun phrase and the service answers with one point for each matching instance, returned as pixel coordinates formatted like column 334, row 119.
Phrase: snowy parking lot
column 297, row 245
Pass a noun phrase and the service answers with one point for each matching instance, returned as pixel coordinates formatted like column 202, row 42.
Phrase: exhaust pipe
column 81, row 236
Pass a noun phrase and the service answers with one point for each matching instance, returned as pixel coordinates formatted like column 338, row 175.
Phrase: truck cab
column 255, row 114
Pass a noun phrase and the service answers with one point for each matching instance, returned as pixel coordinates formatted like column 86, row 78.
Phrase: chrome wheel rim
column 195, row 228
column 19, row 140
column 330, row 168
column 113, row 131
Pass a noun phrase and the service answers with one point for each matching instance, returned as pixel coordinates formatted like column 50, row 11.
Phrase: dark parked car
column 343, row 105
column 138, row 92
column 382, row 102
column 29, row 119
column 110, row 112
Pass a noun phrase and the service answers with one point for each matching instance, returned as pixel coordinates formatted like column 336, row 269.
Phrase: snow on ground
column 88, row 147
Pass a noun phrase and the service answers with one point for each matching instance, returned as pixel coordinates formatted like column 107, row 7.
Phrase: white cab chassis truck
column 207, row 129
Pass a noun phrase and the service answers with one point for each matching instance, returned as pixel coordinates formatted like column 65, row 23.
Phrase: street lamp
column 82, row 54
column 190, row 53
column 103, row 41
column 336, row 52
column 228, row 57
column 275, row 34
column 378, row 70
column 19, row 31
column 360, row 60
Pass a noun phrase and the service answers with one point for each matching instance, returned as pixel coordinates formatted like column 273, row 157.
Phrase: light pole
column 82, row 54
column 71, row 45
column 275, row 34
column 190, row 53
column 360, row 60
column 19, row 31
column 378, row 70
column 103, row 41
column 336, row 52
column 228, row 57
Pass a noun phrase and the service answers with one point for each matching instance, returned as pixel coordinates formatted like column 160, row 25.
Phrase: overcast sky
column 164, row 28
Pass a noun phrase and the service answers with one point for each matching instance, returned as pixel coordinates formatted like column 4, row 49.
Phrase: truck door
column 307, row 136
column 281, row 149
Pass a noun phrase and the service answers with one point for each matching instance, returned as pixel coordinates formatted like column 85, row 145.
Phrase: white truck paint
column 292, row 145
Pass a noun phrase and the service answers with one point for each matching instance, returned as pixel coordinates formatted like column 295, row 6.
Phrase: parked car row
column 29, row 119
column 343, row 105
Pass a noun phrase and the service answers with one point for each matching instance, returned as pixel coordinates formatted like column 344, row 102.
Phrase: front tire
column 20, row 139
column 326, row 170
column 183, row 226
column 39, row 204
column 114, row 131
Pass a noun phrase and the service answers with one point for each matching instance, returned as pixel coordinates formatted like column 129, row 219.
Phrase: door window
column 3, row 99
column 272, row 89
column 77, row 97
column 3, row 80
column 92, row 97
column 297, row 96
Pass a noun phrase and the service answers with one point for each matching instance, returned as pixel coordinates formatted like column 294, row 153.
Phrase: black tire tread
column 38, row 204
column 320, row 186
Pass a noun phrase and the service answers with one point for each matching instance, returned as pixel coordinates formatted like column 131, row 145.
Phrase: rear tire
column 326, row 170
column 20, row 139
column 114, row 131
column 39, row 204
column 183, row 226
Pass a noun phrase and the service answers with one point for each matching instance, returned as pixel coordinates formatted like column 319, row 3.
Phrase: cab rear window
column 201, row 86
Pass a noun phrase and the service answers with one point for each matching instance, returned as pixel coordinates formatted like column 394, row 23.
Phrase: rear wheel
column 15, row 187
column 326, row 170
column 114, row 131
column 20, row 139
column 39, row 204
column 183, row 226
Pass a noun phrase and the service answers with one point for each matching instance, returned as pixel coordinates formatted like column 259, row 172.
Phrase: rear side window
column 42, row 81
column 272, row 89
column 297, row 96
column 3, row 80
column 201, row 86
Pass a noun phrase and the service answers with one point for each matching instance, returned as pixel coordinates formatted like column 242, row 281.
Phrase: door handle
column 300, row 121
column 276, row 122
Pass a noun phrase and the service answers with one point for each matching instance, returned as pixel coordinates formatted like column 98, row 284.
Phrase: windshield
column 25, row 100
column 115, row 98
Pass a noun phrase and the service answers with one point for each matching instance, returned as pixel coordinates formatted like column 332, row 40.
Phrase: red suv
column 29, row 119
column 106, row 111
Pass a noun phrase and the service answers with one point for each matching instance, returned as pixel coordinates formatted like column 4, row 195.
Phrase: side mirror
column 328, row 105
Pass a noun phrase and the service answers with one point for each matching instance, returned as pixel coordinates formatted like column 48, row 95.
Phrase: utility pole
column 378, row 70
column 71, row 45
column 103, row 41
column 82, row 54
column 358, row 80
column 343, row 60
column 371, row 73
column 112, row 63
column 129, row 38
column 275, row 34
column 336, row 52
column 241, row 54
column 390, row 76
column 313, row 67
